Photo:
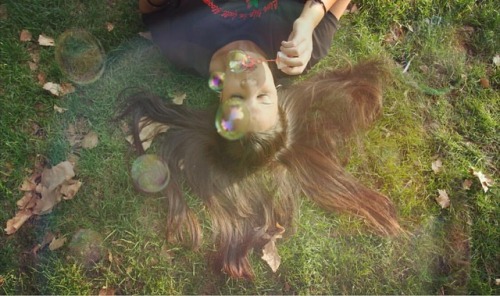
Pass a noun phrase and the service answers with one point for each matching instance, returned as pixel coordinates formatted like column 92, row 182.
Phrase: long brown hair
column 251, row 186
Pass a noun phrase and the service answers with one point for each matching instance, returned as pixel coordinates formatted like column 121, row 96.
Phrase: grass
column 438, row 108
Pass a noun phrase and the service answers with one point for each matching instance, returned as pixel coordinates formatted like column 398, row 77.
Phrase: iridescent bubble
column 232, row 119
column 239, row 61
column 149, row 173
column 216, row 81
column 80, row 56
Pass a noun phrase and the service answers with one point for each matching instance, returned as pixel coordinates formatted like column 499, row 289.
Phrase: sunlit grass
column 436, row 109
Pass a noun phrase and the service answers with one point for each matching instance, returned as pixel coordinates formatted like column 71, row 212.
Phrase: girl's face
column 257, row 90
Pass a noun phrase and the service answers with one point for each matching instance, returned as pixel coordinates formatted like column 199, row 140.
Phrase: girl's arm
column 298, row 47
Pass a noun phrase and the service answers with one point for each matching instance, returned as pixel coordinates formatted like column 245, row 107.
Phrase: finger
column 290, row 52
column 292, row 61
column 293, row 70
column 287, row 44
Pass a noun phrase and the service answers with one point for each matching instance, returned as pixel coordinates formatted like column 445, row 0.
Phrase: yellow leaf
column 15, row 223
column 436, row 166
column 179, row 99
column 57, row 243
column 59, row 109
column 486, row 181
column 90, row 140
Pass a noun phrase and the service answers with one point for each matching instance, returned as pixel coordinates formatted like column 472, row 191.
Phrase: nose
column 248, row 82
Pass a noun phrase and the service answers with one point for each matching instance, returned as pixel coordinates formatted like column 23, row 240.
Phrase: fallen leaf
column 497, row 282
column 3, row 12
column 47, row 239
column 53, row 88
column 271, row 256
column 41, row 78
column 105, row 291
column 70, row 188
column 485, row 82
column 109, row 26
column 57, row 243
column 466, row 184
column 148, row 131
column 59, row 109
column 33, row 66
column 270, row 251
column 25, row 36
column 90, row 140
column 55, row 176
column 437, row 165
column 45, row 40
column 496, row 60
column 486, row 181
column 67, row 88
column 35, row 54
column 179, row 99
column 443, row 199
column 15, row 223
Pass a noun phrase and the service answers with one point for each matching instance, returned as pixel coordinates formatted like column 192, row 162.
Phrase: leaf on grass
column 148, row 131
column 57, row 243
column 270, row 251
column 45, row 40
column 109, row 26
column 90, row 140
column 59, row 109
column 179, row 99
column 41, row 78
column 437, row 165
column 443, row 199
column 105, row 291
column 15, row 223
column 52, row 186
column 467, row 184
column 67, row 88
column 47, row 239
column 486, row 181
column 53, row 88
column 25, row 36
column 485, row 82
column 496, row 60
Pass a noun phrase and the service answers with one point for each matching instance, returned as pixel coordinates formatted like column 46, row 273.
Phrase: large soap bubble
column 80, row 56
column 232, row 119
column 150, row 174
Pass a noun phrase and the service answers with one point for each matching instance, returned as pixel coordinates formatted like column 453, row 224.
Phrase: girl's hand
column 298, row 48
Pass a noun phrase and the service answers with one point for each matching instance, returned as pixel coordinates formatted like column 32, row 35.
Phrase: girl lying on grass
column 271, row 145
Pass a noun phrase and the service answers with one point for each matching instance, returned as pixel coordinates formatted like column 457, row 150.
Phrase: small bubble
column 150, row 174
column 80, row 56
column 232, row 119
column 216, row 81
column 239, row 61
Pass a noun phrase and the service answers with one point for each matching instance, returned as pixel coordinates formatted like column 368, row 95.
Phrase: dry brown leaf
column 33, row 66
column 67, row 88
column 105, row 291
column 59, row 109
column 57, row 243
column 109, row 26
column 90, row 140
column 15, row 223
column 179, row 98
column 41, row 78
column 53, row 88
column 148, row 131
column 55, row 176
column 437, row 165
column 45, row 40
column 27, row 202
column 25, row 36
column 70, row 188
column 486, row 181
column 29, row 184
column 467, row 184
column 485, row 82
column 443, row 199
column 47, row 239
column 270, row 251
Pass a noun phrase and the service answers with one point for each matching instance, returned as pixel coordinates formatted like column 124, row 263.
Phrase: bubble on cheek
column 150, row 174
column 238, row 61
column 216, row 81
column 232, row 119
column 80, row 56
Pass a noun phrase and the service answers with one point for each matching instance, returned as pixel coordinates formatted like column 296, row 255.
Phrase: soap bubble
column 86, row 247
column 232, row 119
column 149, row 173
column 216, row 81
column 80, row 56
column 239, row 61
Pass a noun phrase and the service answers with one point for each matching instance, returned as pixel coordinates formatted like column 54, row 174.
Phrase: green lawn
column 444, row 104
